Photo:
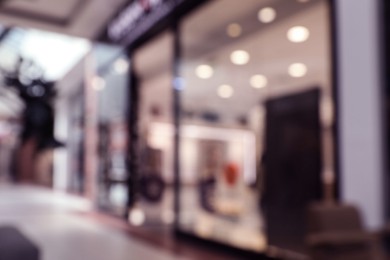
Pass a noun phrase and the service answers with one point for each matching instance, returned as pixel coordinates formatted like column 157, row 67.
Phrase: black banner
column 138, row 18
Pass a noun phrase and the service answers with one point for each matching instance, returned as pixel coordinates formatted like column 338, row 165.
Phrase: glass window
column 255, row 100
column 154, row 193
column 111, row 86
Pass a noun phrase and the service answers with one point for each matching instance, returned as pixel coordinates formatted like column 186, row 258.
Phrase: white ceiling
column 83, row 18
column 205, row 42
column 270, row 51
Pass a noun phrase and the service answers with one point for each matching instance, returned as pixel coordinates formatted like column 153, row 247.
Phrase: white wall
column 60, row 163
column 359, row 107
column 67, row 87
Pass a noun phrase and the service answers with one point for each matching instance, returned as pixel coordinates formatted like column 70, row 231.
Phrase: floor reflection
column 53, row 221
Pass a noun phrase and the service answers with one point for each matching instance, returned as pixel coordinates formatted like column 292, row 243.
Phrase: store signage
column 138, row 18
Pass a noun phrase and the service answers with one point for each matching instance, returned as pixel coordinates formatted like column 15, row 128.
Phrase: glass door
column 153, row 186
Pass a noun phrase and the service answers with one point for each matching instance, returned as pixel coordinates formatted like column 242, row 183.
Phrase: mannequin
column 37, row 136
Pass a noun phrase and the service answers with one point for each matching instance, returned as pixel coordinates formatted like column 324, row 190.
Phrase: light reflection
column 136, row 217
column 258, row 81
column 297, row 70
column 121, row 66
column 204, row 71
column 298, row 34
column 240, row 57
column 225, row 91
column 267, row 15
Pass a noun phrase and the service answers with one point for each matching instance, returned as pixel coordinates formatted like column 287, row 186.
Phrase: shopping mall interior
column 194, row 129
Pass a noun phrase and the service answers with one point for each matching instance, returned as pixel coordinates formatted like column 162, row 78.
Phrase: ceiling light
column 266, row 15
column 234, row 30
column 225, row 91
column 258, row 81
column 303, row 1
column 297, row 70
column 240, row 57
column 204, row 71
column 121, row 66
column 298, row 34
column 98, row 83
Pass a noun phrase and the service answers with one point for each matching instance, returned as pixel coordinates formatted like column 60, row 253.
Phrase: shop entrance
column 292, row 162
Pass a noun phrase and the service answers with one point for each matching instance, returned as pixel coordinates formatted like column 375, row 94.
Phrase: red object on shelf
column 231, row 174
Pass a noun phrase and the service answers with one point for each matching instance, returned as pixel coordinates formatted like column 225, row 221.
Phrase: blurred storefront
column 216, row 121
column 231, row 116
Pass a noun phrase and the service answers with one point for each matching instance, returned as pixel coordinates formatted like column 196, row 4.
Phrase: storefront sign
column 138, row 18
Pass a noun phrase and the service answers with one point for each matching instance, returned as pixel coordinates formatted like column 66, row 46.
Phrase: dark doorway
column 292, row 166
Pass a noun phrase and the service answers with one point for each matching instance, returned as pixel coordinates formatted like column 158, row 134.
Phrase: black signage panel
column 138, row 18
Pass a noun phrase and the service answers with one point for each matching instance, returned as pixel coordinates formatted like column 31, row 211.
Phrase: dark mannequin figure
column 37, row 118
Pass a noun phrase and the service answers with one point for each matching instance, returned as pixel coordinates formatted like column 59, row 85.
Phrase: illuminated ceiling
column 83, row 18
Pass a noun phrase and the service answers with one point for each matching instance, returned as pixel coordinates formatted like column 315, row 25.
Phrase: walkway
column 56, row 223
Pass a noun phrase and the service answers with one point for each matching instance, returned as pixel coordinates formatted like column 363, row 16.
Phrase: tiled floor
column 52, row 221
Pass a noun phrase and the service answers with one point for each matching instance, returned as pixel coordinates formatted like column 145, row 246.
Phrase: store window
column 76, row 143
column 255, row 145
column 153, row 185
column 111, row 86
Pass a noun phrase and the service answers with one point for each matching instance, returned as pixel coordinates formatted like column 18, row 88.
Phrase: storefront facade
column 226, row 126
column 229, row 109
column 250, row 114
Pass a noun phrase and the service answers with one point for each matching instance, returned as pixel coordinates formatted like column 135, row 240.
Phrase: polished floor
column 57, row 223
